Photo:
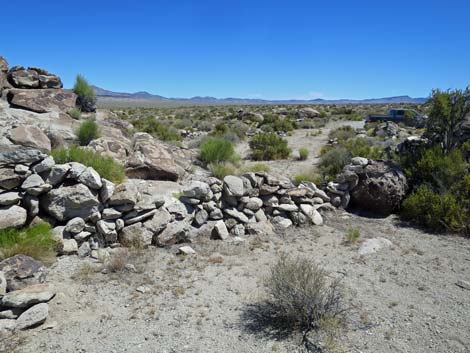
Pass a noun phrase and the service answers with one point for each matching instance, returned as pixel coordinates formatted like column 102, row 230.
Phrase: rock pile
column 375, row 186
column 23, row 297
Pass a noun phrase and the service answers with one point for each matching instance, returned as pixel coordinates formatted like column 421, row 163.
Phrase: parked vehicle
column 407, row 116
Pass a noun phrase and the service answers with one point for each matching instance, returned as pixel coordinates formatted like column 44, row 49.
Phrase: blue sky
column 256, row 49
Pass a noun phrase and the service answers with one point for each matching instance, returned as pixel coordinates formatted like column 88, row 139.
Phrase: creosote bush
column 87, row 132
column 106, row 166
column 269, row 146
column 36, row 241
column 301, row 294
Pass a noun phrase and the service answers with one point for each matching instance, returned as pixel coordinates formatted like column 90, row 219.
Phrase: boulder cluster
column 376, row 186
column 23, row 296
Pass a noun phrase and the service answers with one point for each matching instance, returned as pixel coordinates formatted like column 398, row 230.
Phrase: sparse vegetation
column 303, row 153
column 353, row 235
column 217, row 150
column 106, row 166
column 36, row 241
column 88, row 131
column 269, row 146
column 86, row 99
column 157, row 129
column 75, row 113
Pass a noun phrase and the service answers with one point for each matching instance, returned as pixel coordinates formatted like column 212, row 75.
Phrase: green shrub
column 215, row 150
column 360, row 147
column 353, row 235
column 222, row 169
column 434, row 211
column 333, row 161
column 106, row 166
column 342, row 133
column 86, row 98
column 36, row 241
column 254, row 168
column 88, row 131
column 269, row 146
column 75, row 113
column 155, row 128
column 303, row 153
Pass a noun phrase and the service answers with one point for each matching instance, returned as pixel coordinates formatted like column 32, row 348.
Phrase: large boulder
column 20, row 77
column 307, row 113
column 12, row 217
column 152, row 160
column 68, row 202
column 11, row 155
column 42, row 100
column 31, row 136
column 21, row 271
column 381, row 188
column 3, row 74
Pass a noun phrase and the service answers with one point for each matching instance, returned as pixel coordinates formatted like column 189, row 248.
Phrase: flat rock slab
column 373, row 245
column 28, row 296
column 34, row 316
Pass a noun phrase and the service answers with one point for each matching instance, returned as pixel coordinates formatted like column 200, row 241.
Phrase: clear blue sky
column 267, row 49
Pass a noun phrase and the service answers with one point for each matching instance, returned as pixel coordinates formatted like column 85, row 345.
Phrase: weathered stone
column 69, row 246
column 110, row 213
column 24, row 298
column 360, row 161
column 201, row 217
column 57, row 174
column 233, row 186
column 3, row 284
column 7, row 326
column 12, row 217
column 34, row 316
column 68, row 202
column 75, row 225
column 107, row 190
column 307, row 113
column 287, row 207
column 45, row 165
column 216, row 214
column 159, row 221
column 254, row 203
column 238, row 230
column 21, row 271
column 124, row 194
column 198, row 190
column 84, row 250
column 240, row 216
column 76, row 169
column 140, row 217
column 23, row 78
column 12, row 313
column 50, row 81
column 175, row 232
column 266, row 189
column 21, row 169
column 261, row 216
column 312, row 213
column 186, row 250
column 259, row 228
column 9, row 198
column 282, row 222
column 373, row 245
column 11, row 155
column 90, row 178
column 230, row 222
column 135, row 235
column 9, row 180
column 30, row 136
column 220, row 231
column 42, row 100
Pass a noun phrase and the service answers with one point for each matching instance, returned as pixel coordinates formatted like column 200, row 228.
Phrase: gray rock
column 260, row 216
column 142, row 216
column 9, row 180
column 21, row 169
column 233, row 186
column 57, row 174
column 175, row 232
column 11, row 155
column 201, row 217
column 21, row 271
column 282, row 222
column 220, row 231
column 76, row 169
column 240, row 216
column 230, row 223
column 10, row 313
column 107, row 190
column 82, row 236
column 186, row 250
column 30, row 136
column 90, row 178
column 68, row 202
column 7, row 326
column 259, row 228
column 33, row 181
column 370, row 246
column 124, row 194
column 31, row 203
column 12, row 217
column 75, row 225
column 32, row 317
column 254, row 204
column 45, row 165
column 198, row 190
column 31, row 295
column 3, row 284
column 159, row 221
column 463, row 284
column 84, row 250
column 360, row 161
column 110, row 213
column 216, row 214
column 238, row 230
column 312, row 213
column 287, row 207
column 69, row 246
column 107, row 229
column 9, row 198
column 135, row 235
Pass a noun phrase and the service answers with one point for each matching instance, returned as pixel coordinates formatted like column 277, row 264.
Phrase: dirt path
column 404, row 297
column 299, row 138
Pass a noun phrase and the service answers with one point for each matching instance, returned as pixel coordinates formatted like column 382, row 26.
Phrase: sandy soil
column 403, row 298
column 299, row 138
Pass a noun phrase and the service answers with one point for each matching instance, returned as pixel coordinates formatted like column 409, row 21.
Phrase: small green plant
column 333, row 161
column 106, row 166
column 342, row 133
column 75, row 113
column 222, row 169
column 36, row 241
column 157, row 129
column 86, row 98
column 254, row 168
column 269, row 146
column 303, row 153
column 88, row 131
column 216, row 150
column 353, row 235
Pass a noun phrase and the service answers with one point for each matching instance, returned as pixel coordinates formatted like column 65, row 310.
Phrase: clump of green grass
column 155, row 128
column 88, row 131
column 254, row 168
column 106, row 166
column 222, row 169
column 353, row 235
column 36, row 241
column 75, row 113
column 303, row 153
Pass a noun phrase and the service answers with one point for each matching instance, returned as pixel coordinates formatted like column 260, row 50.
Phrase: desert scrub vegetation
column 439, row 172
column 352, row 236
column 303, row 153
column 87, row 132
column 36, row 241
column 86, row 99
column 106, row 166
column 301, row 296
column 217, row 150
column 268, row 146
column 150, row 125
column 75, row 113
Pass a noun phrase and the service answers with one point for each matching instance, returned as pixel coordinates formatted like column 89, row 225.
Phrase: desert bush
column 216, row 150
column 254, row 168
column 342, row 133
column 269, row 146
column 36, row 241
column 155, row 128
column 353, row 235
column 301, row 294
column 86, row 99
column 303, row 153
column 222, row 169
column 361, row 147
column 273, row 123
column 333, row 161
column 75, row 113
column 106, row 166
column 434, row 211
column 88, row 131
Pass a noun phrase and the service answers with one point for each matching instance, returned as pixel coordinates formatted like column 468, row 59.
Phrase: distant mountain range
column 110, row 96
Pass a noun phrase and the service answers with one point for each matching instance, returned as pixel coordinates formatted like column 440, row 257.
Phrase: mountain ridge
column 141, row 95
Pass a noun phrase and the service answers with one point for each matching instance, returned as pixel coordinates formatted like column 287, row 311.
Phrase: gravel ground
column 402, row 298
